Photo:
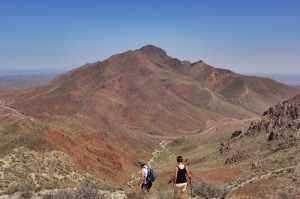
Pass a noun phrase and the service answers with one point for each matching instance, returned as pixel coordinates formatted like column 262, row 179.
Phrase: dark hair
column 179, row 159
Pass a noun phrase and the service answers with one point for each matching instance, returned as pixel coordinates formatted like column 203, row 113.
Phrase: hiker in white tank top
column 143, row 183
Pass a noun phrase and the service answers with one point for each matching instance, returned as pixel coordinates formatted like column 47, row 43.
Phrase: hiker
column 143, row 182
column 180, row 177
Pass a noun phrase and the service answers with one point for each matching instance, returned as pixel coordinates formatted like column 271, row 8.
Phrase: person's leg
column 182, row 191
column 176, row 189
column 181, row 194
column 144, row 187
column 149, row 185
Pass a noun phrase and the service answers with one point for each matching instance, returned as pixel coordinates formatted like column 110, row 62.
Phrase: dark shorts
column 146, row 186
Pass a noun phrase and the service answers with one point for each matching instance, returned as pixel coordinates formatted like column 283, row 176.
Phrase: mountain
column 134, row 78
column 269, row 148
column 106, row 115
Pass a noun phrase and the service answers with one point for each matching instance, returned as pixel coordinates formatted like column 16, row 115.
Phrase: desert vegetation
column 86, row 190
column 210, row 190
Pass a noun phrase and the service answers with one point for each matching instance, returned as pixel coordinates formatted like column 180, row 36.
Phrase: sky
column 245, row 36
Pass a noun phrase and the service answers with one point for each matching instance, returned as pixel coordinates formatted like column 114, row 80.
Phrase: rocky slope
column 279, row 126
column 268, row 150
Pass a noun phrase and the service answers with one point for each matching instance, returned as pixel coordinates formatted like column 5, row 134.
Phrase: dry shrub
column 139, row 194
column 87, row 190
column 26, row 187
column 210, row 190
column 11, row 190
column 177, row 142
column 47, row 196
column 50, row 186
column 166, row 195
column 26, row 194
column 136, row 195
column 63, row 194
column 283, row 196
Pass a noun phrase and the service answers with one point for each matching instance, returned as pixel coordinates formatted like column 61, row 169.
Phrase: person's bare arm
column 141, row 179
column 188, row 174
column 175, row 177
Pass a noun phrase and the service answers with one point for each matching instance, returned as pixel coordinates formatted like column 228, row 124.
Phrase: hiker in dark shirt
column 180, row 177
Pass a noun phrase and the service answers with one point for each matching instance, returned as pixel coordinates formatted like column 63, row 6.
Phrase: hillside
column 106, row 115
column 269, row 149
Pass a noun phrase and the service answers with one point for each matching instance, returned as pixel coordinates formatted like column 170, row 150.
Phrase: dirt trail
column 151, row 162
column 223, row 123
column 257, row 178
column 220, row 123
column 13, row 111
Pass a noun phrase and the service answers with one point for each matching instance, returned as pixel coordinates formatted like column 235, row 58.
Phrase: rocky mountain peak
column 153, row 50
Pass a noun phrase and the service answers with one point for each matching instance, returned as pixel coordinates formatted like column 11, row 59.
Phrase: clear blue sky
column 258, row 36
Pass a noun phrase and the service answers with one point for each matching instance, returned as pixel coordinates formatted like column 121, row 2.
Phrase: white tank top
column 145, row 171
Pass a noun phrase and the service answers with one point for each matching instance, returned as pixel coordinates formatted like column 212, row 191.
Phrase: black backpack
column 150, row 175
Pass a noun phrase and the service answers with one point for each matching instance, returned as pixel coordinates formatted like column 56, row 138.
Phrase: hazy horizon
column 289, row 79
column 65, row 69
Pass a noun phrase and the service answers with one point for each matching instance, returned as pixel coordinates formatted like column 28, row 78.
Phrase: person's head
column 142, row 163
column 179, row 159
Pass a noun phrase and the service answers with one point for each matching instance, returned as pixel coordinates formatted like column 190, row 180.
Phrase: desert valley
column 95, row 122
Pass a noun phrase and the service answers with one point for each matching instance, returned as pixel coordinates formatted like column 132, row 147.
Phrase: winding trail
column 222, row 123
column 206, row 130
column 162, row 147
column 166, row 139
column 257, row 178
column 13, row 111
column 151, row 162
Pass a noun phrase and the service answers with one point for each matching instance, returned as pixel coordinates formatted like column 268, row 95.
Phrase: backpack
column 150, row 175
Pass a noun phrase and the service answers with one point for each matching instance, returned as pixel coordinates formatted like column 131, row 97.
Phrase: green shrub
column 37, row 189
